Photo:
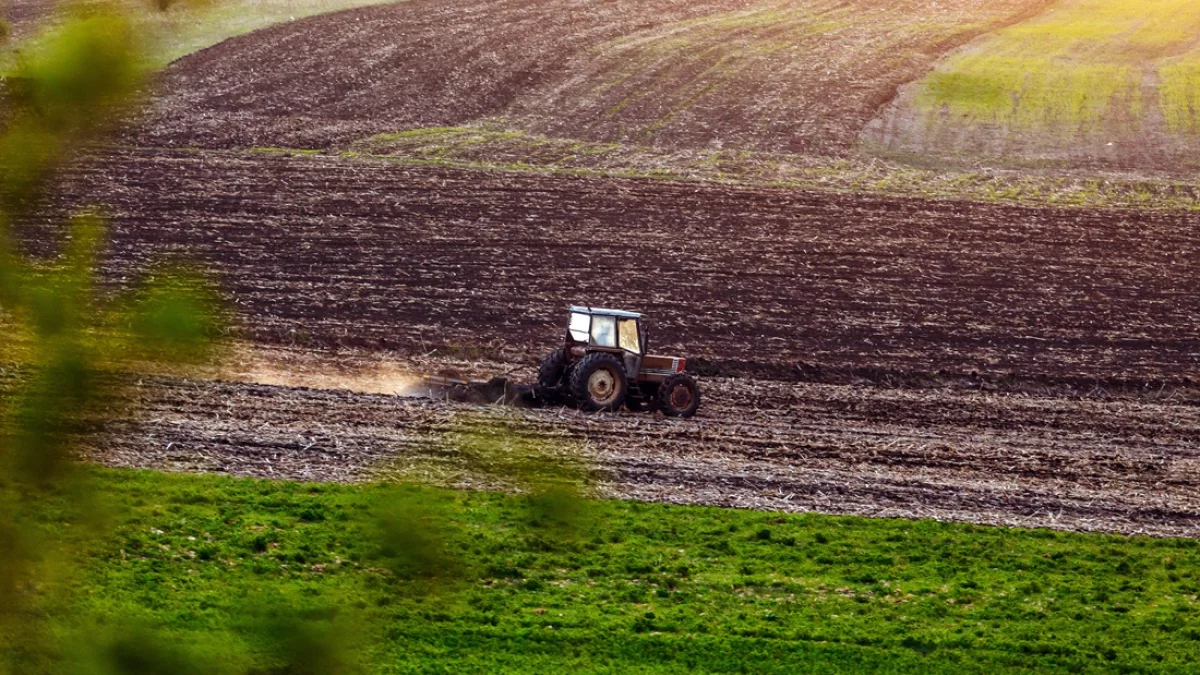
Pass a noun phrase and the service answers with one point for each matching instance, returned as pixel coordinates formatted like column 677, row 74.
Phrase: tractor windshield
column 604, row 331
column 581, row 326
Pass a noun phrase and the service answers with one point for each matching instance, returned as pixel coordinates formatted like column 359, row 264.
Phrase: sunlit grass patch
column 1080, row 63
column 1180, row 93
column 1026, row 93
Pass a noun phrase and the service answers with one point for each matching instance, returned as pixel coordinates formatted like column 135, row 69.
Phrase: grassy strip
column 492, row 146
column 646, row 588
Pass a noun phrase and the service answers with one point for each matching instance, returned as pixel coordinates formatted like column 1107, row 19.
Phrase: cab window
column 581, row 326
column 604, row 331
column 630, row 341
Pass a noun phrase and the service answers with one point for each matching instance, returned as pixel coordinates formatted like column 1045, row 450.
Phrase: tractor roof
column 605, row 312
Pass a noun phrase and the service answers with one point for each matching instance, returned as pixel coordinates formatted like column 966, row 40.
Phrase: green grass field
column 1078, row 64
column 640, row 588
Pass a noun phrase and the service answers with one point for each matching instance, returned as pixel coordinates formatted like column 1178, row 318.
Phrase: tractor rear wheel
column 553, row 377
column 598, row 383
column 678, row 396
column 550, row 373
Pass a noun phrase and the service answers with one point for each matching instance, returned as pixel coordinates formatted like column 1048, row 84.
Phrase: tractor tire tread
column 583, row 371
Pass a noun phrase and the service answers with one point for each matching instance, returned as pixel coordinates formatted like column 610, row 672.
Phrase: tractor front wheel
column 598, row 383
column 679, row 396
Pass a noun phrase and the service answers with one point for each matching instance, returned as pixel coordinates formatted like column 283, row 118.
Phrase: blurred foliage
column 69, row 86
column 66, row 347
column 138, row 649
column 492, row 451
column 70, row 350
column 412, row 536
column 552, row 479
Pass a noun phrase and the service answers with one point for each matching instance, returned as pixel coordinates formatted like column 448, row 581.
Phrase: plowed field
column 778, row 75
column 423, row 63
column 860, row 355
column 1129, row 465
column 1052, row 347
column 327, row 252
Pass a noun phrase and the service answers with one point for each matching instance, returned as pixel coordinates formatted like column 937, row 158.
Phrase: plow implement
column 498, row 390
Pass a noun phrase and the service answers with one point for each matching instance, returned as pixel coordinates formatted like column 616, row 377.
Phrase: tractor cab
column 609, row 330
column 604, row 365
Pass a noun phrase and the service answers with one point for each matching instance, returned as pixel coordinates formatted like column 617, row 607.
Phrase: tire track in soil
column 1004, row 459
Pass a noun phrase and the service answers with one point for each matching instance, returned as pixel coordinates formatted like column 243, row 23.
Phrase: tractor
column 604, row 364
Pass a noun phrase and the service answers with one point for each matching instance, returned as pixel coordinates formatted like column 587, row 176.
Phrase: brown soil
column 801, row 77
column 1053, row 347
column 772, row 75
column 334, row 78
column 331, row 252
column 1129, row 466
column 24, row 15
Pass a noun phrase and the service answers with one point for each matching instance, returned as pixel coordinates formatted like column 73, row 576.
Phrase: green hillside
column 1113, row 82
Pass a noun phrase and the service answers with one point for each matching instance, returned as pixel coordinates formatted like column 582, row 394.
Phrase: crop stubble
column 1009, row 459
